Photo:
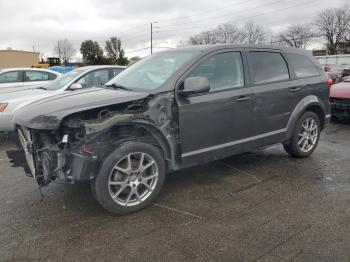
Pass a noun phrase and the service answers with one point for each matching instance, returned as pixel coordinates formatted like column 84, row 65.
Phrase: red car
column 339, row 98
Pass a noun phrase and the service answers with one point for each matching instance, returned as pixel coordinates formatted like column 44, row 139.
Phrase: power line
column 136, row 50
column 204, row 12
column 260, row 14
column 251, row 16
column 225, row 15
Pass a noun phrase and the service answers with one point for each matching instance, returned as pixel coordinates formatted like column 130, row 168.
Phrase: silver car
column 19, row 79
column 84, row 77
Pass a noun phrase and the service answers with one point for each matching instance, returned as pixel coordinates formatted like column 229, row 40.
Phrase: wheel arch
column 147, row 133
column 309, row 103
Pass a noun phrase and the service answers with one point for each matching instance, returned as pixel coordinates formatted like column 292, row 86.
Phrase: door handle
column 242, row 98
column 294, row 89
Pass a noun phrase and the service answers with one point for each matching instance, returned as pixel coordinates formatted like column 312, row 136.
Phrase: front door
column 217, row 123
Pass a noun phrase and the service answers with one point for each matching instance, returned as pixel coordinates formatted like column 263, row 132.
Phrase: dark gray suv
column 172, row 110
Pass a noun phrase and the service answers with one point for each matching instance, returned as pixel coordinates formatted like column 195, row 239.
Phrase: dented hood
column 48, row 113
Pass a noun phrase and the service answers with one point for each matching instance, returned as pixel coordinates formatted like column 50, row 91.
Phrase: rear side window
column 52, row 76
column 303, row 67
column 11, row 77
column 32, row 76
column 223, row 71
column 116, row 71
column 268, row 67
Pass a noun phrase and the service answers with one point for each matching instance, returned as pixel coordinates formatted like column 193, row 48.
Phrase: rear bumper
column 340, row 109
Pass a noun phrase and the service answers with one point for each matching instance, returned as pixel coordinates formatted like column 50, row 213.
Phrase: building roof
column 19, row 51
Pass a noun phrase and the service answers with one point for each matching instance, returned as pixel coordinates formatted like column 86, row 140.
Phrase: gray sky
column 40, row 23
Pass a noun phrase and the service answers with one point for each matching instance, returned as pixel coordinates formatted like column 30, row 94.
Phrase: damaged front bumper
column 54, row 163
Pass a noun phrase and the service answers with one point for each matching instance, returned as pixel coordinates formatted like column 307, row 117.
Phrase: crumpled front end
column 76, row 150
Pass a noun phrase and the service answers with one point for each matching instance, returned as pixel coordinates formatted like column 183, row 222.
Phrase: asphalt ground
column 259, row 206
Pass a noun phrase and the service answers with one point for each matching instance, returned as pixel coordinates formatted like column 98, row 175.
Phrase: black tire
column 100, row 185
column 292, row 147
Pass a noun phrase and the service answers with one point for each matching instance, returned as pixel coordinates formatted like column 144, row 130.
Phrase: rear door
column 216, row 123
column 11, row 81
column 33, row 79
column 276, row 93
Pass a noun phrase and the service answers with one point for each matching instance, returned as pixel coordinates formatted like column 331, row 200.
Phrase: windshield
column 151, row 72
column 63, row 80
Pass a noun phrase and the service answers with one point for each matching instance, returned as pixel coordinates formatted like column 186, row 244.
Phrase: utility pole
column 152, row 27
column 151, row 37
column 58, row 49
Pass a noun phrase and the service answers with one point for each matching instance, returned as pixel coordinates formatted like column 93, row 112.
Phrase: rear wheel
column 130, row 178
column 305, row 136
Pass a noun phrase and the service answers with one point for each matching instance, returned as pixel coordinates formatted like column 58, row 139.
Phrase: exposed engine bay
column 76, row 149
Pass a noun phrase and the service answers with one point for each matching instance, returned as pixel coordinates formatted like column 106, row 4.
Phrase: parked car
column 340, row 99
column 19, row 79
column 62, row 69
column 84, row 77
column 172, row 110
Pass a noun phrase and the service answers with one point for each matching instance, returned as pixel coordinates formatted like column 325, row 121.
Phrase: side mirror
column 75, row 86
column 195, row 85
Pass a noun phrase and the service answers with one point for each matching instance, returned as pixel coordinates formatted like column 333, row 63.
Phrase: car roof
column 214, row 47
column 100, row 66
column 85, row 69
column 28, row 68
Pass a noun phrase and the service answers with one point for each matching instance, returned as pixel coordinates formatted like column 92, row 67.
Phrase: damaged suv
column 172, row 110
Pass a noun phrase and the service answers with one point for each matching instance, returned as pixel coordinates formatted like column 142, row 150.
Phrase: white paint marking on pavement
column 4, row 159
column 177, row 210
column 241, row 171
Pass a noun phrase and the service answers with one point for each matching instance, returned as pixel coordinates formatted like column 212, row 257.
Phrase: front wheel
column 130, row 178
column 305, row 137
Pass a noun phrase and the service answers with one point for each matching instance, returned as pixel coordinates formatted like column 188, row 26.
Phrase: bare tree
column 203, row 38
column 228, row 33
column 224, row 33
column 298, row 36
column 334, row 26
column 253, row 33
column 65, row 50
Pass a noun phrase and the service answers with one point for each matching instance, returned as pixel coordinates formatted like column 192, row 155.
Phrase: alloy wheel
column 308, row 134
column 133, row 179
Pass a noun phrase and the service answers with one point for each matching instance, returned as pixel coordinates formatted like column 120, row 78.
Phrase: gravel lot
column 260, row 206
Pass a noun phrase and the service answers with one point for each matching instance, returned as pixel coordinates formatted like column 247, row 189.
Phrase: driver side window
column 95, row 78
column 223, row 71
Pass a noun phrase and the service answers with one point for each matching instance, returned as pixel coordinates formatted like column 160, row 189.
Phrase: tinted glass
column 116, row 71
column 222, row 70
column 65, row 79
column 52, row 76
column 95, row 78
column 10, row 77
column 302, row 66
column 151, row 72
column 268, row 67
column 30, row 76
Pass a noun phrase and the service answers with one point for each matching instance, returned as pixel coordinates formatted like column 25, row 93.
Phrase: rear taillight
column 330, row 82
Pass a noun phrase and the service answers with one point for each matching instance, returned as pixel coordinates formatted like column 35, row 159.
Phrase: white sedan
column 84, row 77
column 19, row 79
